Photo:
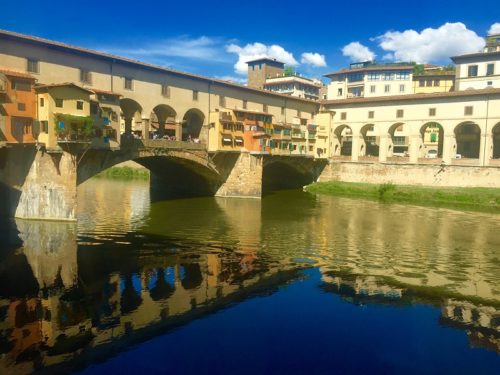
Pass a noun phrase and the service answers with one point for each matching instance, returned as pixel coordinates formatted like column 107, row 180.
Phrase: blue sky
column 216, row 38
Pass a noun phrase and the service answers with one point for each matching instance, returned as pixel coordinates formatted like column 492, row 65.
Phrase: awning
column 239, row 140
column 225, row 139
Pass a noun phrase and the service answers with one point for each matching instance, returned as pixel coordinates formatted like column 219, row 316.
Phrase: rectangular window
column 472, row 70
column 42, row 102
column 428, row 82
column 21, row 85
column 437, row 82
column 343, row 115
column 421, row 82
column 165, row 91
column 59, row 103
column 432, row 112
column 264, row 107
column 33, row 66
column 195, row 95
column 401, row 88
column 399, row 113
column 490, row 69
column 387, row 88
column 85, row 76
column 45, row 126
column 21, row 107
column 245, row 104
column 371, row 114
column 468, row 110
column 127, row 83
column 339, row 92
column 79, row 105
column 372, row 89
column 222, row 101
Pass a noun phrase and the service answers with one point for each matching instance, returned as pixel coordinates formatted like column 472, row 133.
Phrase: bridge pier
column 243, row 175
column 49, row 189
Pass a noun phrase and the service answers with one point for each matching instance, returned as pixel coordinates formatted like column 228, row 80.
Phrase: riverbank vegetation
column 484, row 199
column 125, row 173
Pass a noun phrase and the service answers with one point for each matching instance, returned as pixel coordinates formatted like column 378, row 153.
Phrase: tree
column 418, row 69
column 289, row 71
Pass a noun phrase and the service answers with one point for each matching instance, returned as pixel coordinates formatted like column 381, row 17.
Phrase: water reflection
column 72, row 295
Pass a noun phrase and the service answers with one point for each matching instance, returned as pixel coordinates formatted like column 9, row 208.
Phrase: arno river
column 295, row 283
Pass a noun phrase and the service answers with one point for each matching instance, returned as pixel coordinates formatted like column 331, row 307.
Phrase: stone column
column 414, row 147
column 145, row 128
column 161, row 128
column 449, row 147
column 384, row 145
column 49, row 191
column 178, row 131
column 485, row 148
column 356, row 144
column 128, row 125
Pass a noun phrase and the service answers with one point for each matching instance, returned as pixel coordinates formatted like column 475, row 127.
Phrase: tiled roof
column 107, row 56
column 371, row 68
column 11, row 73
column 62, row 85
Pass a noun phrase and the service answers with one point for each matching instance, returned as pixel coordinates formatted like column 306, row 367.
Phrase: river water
column 294, row 283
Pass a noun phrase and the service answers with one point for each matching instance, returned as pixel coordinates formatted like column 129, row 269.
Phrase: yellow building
column 433, row 81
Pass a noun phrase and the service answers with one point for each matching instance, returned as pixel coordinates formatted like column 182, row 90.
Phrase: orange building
column 17, row 107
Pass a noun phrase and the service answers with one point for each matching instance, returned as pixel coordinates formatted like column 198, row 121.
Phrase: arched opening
column 163, row 123
column 191, row 277
column 398, row 146
column 468, row 135
column 172, row 177
column 161, row 288
column 131, row 114
column 343, row 146
column 371, row 141
column 432, row 135
column 496, row 141
column 280, row 175
column 192, row 123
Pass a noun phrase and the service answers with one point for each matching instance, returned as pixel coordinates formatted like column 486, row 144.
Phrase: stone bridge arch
column 174, row 172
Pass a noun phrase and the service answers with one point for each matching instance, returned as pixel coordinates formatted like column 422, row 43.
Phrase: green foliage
column 479, row 199
column 75, row 127
column 418, row 69
column 289, row 71
column 125, row 173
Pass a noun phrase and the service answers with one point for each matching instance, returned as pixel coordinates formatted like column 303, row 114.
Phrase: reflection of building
column 17, row 107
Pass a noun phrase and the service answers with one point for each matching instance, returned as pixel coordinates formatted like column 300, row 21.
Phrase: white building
column 367, row 79
column 294, row 85
column 479, row 70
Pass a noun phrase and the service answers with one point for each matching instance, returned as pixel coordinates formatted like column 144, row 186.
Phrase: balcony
column 70, row 128
column 226, row 117
column 311, row 137
column 301, row 135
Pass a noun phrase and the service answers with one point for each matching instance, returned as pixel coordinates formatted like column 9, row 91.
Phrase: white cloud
column 256, row 51
column 357, row 52
column 494, row 29
column 201, row 48
column 430, row 45
column 314, row 59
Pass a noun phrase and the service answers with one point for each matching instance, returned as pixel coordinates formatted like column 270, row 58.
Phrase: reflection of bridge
column 71, row 306
column 39, row 184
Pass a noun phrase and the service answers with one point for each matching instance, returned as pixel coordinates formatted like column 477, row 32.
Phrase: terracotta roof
column 449, row 94
column 289, row 79
column 371, row 68
column 11, row 73
column 62, row 85
column 106, row 92
column 107, row 56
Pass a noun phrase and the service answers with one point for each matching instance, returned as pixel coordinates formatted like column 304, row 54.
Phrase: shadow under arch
column 371, row 140
column 130, row 109
column 432, row 135
column 280, row 174
column 344, row 136
column 496, row 141
column 172, row 177
column 192, row 124
column 468, row 138
column 163, row 117
column 399, row 142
